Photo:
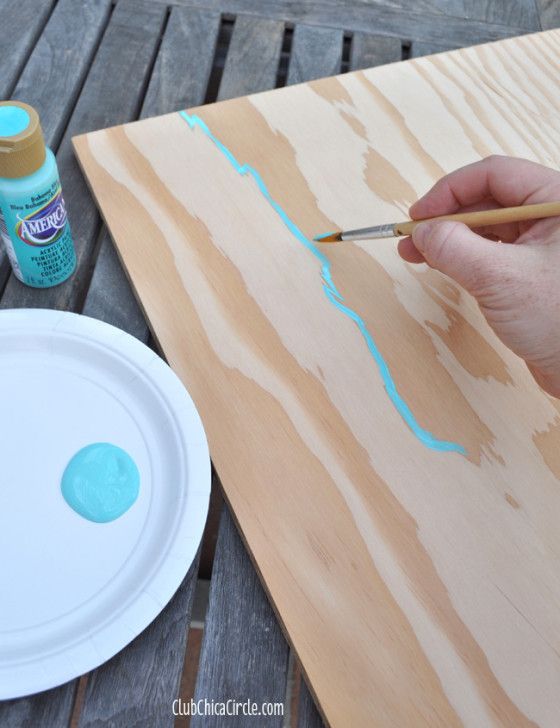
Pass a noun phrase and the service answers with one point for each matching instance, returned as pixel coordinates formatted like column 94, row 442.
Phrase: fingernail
column 420, row 235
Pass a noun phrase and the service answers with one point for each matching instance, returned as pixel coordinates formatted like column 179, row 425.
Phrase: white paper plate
column 73, row 592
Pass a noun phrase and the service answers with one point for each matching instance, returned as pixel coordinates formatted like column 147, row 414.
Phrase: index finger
column 507, row 180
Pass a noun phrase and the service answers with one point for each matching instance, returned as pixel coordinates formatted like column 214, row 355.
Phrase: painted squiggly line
column 331, row 292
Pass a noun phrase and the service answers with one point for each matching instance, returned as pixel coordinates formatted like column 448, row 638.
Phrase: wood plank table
column 94, row 63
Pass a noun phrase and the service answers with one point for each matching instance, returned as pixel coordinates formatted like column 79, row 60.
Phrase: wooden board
column 419, row 586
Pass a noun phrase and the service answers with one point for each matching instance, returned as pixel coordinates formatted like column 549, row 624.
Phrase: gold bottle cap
column 22, row 147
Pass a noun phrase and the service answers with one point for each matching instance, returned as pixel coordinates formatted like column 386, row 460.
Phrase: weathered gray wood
column 55, row 71
column 21, row 21
column 253, row 57
column 404, row 19
column 549, row 13
column 418, row 48
column 111, row 94
column 210, row 537
column 51, row 708
column 308, row 715
column 179, row 80
column 512, row 13
column 137, row 687
column 244, row 655
column 53, row 75
column 184, row 62
column 316, row 52
column 5, row 268
column 373, row 50
column 517, row 13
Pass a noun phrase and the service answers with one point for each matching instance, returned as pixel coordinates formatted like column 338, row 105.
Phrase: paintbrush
column 482, row 218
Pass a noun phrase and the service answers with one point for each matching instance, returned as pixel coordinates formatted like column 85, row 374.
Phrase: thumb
column 452, row 248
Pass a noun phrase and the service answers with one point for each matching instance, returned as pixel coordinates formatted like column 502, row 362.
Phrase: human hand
column 516, row 282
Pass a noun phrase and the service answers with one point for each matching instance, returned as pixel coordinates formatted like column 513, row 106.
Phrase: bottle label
column 37, row 237
column 45, row 225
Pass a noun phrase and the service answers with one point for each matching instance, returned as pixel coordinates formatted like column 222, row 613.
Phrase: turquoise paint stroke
column 331, row 292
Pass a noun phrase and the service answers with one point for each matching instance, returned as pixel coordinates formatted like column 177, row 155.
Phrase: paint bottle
column 33, row 222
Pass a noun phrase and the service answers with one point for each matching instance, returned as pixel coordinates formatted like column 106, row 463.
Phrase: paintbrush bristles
column 328, row 238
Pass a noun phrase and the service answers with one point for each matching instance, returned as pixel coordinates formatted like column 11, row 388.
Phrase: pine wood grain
column 418, row 587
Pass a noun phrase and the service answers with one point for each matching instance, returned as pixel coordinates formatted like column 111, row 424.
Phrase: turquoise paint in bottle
column 33, row 222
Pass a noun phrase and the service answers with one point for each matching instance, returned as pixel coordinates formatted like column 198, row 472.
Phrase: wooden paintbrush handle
column 488, row 217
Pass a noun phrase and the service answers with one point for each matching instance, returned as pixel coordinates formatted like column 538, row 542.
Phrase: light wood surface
column 418, row 587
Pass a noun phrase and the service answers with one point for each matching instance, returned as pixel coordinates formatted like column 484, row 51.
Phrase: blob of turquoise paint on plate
column 101, row 482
